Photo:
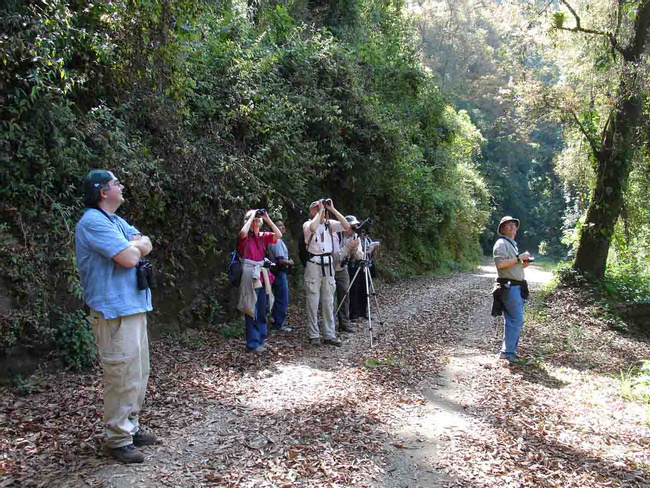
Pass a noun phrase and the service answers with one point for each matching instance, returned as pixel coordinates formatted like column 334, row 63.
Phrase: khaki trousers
column 319, row 288
column 124, row 350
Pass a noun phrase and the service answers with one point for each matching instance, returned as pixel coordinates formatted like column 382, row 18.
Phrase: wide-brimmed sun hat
column 506, row 219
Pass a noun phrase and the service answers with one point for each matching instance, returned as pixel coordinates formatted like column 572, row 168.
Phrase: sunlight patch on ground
column 291, row 385
column 535, row 274
column 486, row 271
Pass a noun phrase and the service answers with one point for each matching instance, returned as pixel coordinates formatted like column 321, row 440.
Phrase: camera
column 260, row 212
column 268, row 264
column 364, row 227
column 145, row 275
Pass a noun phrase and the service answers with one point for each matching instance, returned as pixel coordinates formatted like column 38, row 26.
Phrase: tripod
column 364, row 265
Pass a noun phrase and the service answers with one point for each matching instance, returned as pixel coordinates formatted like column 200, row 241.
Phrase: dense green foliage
column 545, row 83
column 477, row 55
column 204, row 110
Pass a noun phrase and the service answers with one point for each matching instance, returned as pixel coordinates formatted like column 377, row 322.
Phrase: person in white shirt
column 346, row 248
column 320, row 284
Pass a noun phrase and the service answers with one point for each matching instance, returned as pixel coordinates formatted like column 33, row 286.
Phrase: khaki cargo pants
column 319, row 288
column 124, row 350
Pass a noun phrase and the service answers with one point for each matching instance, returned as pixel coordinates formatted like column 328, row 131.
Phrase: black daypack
column 235, row 266
column 303, row 254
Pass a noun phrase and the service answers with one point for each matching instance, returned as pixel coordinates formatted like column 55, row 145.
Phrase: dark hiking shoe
column 127, row 454
column 334, row 341
column 258, row 350
column 144, row 439
column 315, row 342
column 347, row 328
column 511, row 358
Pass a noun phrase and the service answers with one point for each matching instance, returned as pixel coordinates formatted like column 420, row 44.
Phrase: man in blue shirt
column 108, row 250
column 279, row 254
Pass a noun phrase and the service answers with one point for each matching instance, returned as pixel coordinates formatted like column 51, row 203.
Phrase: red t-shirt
column 257, row 247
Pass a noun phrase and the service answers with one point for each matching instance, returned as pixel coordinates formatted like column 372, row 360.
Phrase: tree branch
column 579, row 28
column 575, row 15
column 592, row 143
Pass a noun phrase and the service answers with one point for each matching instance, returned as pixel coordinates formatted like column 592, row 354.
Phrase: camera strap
column 122, row 230
column 514, row 248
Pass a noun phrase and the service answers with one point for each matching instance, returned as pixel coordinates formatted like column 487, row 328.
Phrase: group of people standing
column 333, row 250
column 109, row 253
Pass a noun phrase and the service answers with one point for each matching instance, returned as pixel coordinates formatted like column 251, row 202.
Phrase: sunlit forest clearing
column 434, row 119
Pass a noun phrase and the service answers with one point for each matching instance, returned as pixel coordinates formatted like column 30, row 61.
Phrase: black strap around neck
column 112, row 222
column 515, row 248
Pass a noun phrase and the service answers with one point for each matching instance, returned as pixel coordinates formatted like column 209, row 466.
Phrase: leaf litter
column 332, row 417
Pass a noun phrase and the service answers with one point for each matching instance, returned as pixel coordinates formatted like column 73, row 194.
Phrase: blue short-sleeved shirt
column 108, row 287
column 278, row 250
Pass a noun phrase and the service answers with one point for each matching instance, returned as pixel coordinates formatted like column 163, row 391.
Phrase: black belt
column 510, row 281
column 322, row 263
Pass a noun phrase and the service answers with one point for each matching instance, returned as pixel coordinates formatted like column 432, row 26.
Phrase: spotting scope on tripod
column 363, row 269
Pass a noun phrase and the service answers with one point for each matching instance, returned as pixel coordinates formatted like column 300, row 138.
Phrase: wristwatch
column 518, row 260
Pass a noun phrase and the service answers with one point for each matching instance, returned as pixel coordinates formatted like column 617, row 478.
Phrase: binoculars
column 260, row 212
column 145, row 275
column 326, row 201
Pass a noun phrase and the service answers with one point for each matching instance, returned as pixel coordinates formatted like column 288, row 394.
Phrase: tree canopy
column 434, row 119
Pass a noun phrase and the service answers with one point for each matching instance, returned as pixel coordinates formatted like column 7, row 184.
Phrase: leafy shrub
column 204, row 111
column 74, row 340
column 627, row 280
column 21, row 386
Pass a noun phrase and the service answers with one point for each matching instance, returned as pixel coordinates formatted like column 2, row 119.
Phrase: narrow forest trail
column 429, row 406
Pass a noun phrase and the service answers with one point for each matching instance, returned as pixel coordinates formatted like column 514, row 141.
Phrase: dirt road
column 396, row 415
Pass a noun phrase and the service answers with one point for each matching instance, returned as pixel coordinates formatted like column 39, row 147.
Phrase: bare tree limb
column 578, row 28
column 574, row 13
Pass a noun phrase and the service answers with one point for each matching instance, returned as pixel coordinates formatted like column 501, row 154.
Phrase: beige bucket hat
column 505, row 219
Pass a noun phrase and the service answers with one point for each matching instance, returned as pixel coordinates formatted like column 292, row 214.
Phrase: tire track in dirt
column 443, row 417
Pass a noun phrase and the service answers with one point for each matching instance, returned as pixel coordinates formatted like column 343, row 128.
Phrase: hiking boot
column 347, row 328
column 315, row 342
column 286, row 328
column 127, row 454
column 258, row 350
column 511, row 358
column 334, row 341
column 144, row 439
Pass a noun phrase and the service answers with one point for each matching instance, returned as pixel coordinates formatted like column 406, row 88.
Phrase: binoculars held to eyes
column 260, row 212
column 326, row 201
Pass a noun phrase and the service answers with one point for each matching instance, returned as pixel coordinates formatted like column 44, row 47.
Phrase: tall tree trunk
column 614, row 158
